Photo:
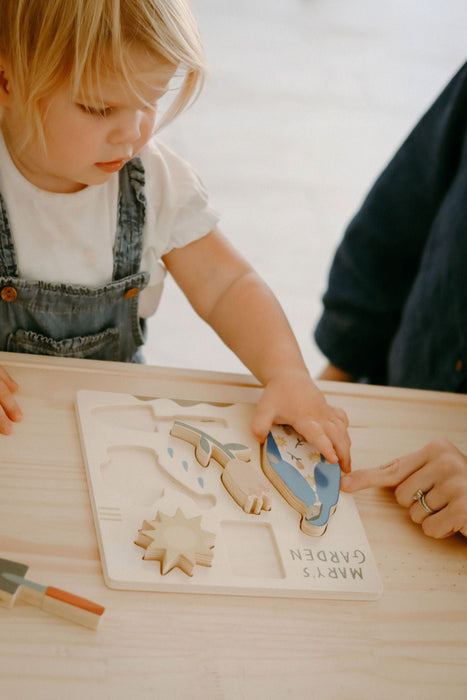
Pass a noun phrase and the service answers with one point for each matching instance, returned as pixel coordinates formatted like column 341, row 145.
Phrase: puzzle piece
column 245, row 484
column 176, row 541
column 307, row 482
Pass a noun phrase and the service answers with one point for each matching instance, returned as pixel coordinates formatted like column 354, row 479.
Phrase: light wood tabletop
column 411, row 643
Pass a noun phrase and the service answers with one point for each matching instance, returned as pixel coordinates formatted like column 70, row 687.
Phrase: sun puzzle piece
column 244, row 483
column 302, row 476
column 176, row 541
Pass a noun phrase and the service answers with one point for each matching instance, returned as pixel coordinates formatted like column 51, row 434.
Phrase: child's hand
column 439, row 471
column 226, row 292
column 291, row 397
column 9, row 409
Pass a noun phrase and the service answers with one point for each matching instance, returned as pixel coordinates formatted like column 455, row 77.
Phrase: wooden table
column 412, row 643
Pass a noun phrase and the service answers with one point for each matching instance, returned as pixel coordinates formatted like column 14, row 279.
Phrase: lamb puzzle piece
column 303, row 477
column 246, row 486
column 176, row 541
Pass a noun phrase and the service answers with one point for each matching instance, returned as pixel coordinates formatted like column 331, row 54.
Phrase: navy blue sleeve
column 378, row 259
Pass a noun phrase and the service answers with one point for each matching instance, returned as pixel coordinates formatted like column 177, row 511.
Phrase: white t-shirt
column 69, row 238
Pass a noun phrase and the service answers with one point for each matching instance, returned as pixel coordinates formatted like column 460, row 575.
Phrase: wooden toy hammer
column 52, row 600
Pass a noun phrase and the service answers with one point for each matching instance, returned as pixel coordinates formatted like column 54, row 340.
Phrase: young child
column 93, row 210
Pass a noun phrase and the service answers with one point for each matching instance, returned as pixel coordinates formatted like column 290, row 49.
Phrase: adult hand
column 438, row 471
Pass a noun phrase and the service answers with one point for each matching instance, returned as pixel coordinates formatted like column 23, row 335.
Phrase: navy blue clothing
column 70, row 320
column 395, row 311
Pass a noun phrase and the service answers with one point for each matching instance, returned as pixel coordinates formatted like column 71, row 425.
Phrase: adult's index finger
column 386, row 476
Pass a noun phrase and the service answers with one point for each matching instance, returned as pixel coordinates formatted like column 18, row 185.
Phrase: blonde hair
column 50, row 42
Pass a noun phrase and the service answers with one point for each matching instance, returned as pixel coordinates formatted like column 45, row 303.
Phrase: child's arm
column 439, row 470
column 9, row 410
column 226, row 292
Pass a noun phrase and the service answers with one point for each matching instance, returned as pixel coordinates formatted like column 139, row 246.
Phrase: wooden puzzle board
column 135, row 469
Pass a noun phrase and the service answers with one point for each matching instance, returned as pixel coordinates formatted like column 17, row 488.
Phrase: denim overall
column 70, row 320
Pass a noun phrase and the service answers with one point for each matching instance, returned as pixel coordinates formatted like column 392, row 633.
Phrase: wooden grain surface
column 410, row 644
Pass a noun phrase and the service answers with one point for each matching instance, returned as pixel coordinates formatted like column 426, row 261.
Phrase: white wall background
column 305, row 103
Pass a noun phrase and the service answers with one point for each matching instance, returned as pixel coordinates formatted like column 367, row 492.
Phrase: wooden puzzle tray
column 182, row 484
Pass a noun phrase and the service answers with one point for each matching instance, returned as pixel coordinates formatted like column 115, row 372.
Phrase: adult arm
column 378, row 259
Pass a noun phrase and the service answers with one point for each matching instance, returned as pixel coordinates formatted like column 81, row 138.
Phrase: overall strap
column 131, row 217
column 8, row 262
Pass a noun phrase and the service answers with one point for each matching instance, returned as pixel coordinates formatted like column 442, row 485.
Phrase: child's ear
column 4, row 83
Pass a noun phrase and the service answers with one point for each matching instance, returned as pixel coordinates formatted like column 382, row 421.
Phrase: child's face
column 87, row 143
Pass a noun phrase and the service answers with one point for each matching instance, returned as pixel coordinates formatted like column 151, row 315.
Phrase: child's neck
column 36, row 178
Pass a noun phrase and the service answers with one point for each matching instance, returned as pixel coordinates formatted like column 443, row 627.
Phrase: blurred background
column 305, row 103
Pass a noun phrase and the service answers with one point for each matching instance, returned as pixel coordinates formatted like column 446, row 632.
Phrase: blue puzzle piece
column 327, row 480
column 291, row 477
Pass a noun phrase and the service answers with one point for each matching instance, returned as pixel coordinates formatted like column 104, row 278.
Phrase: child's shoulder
column 164, row 166
column 157, row 153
